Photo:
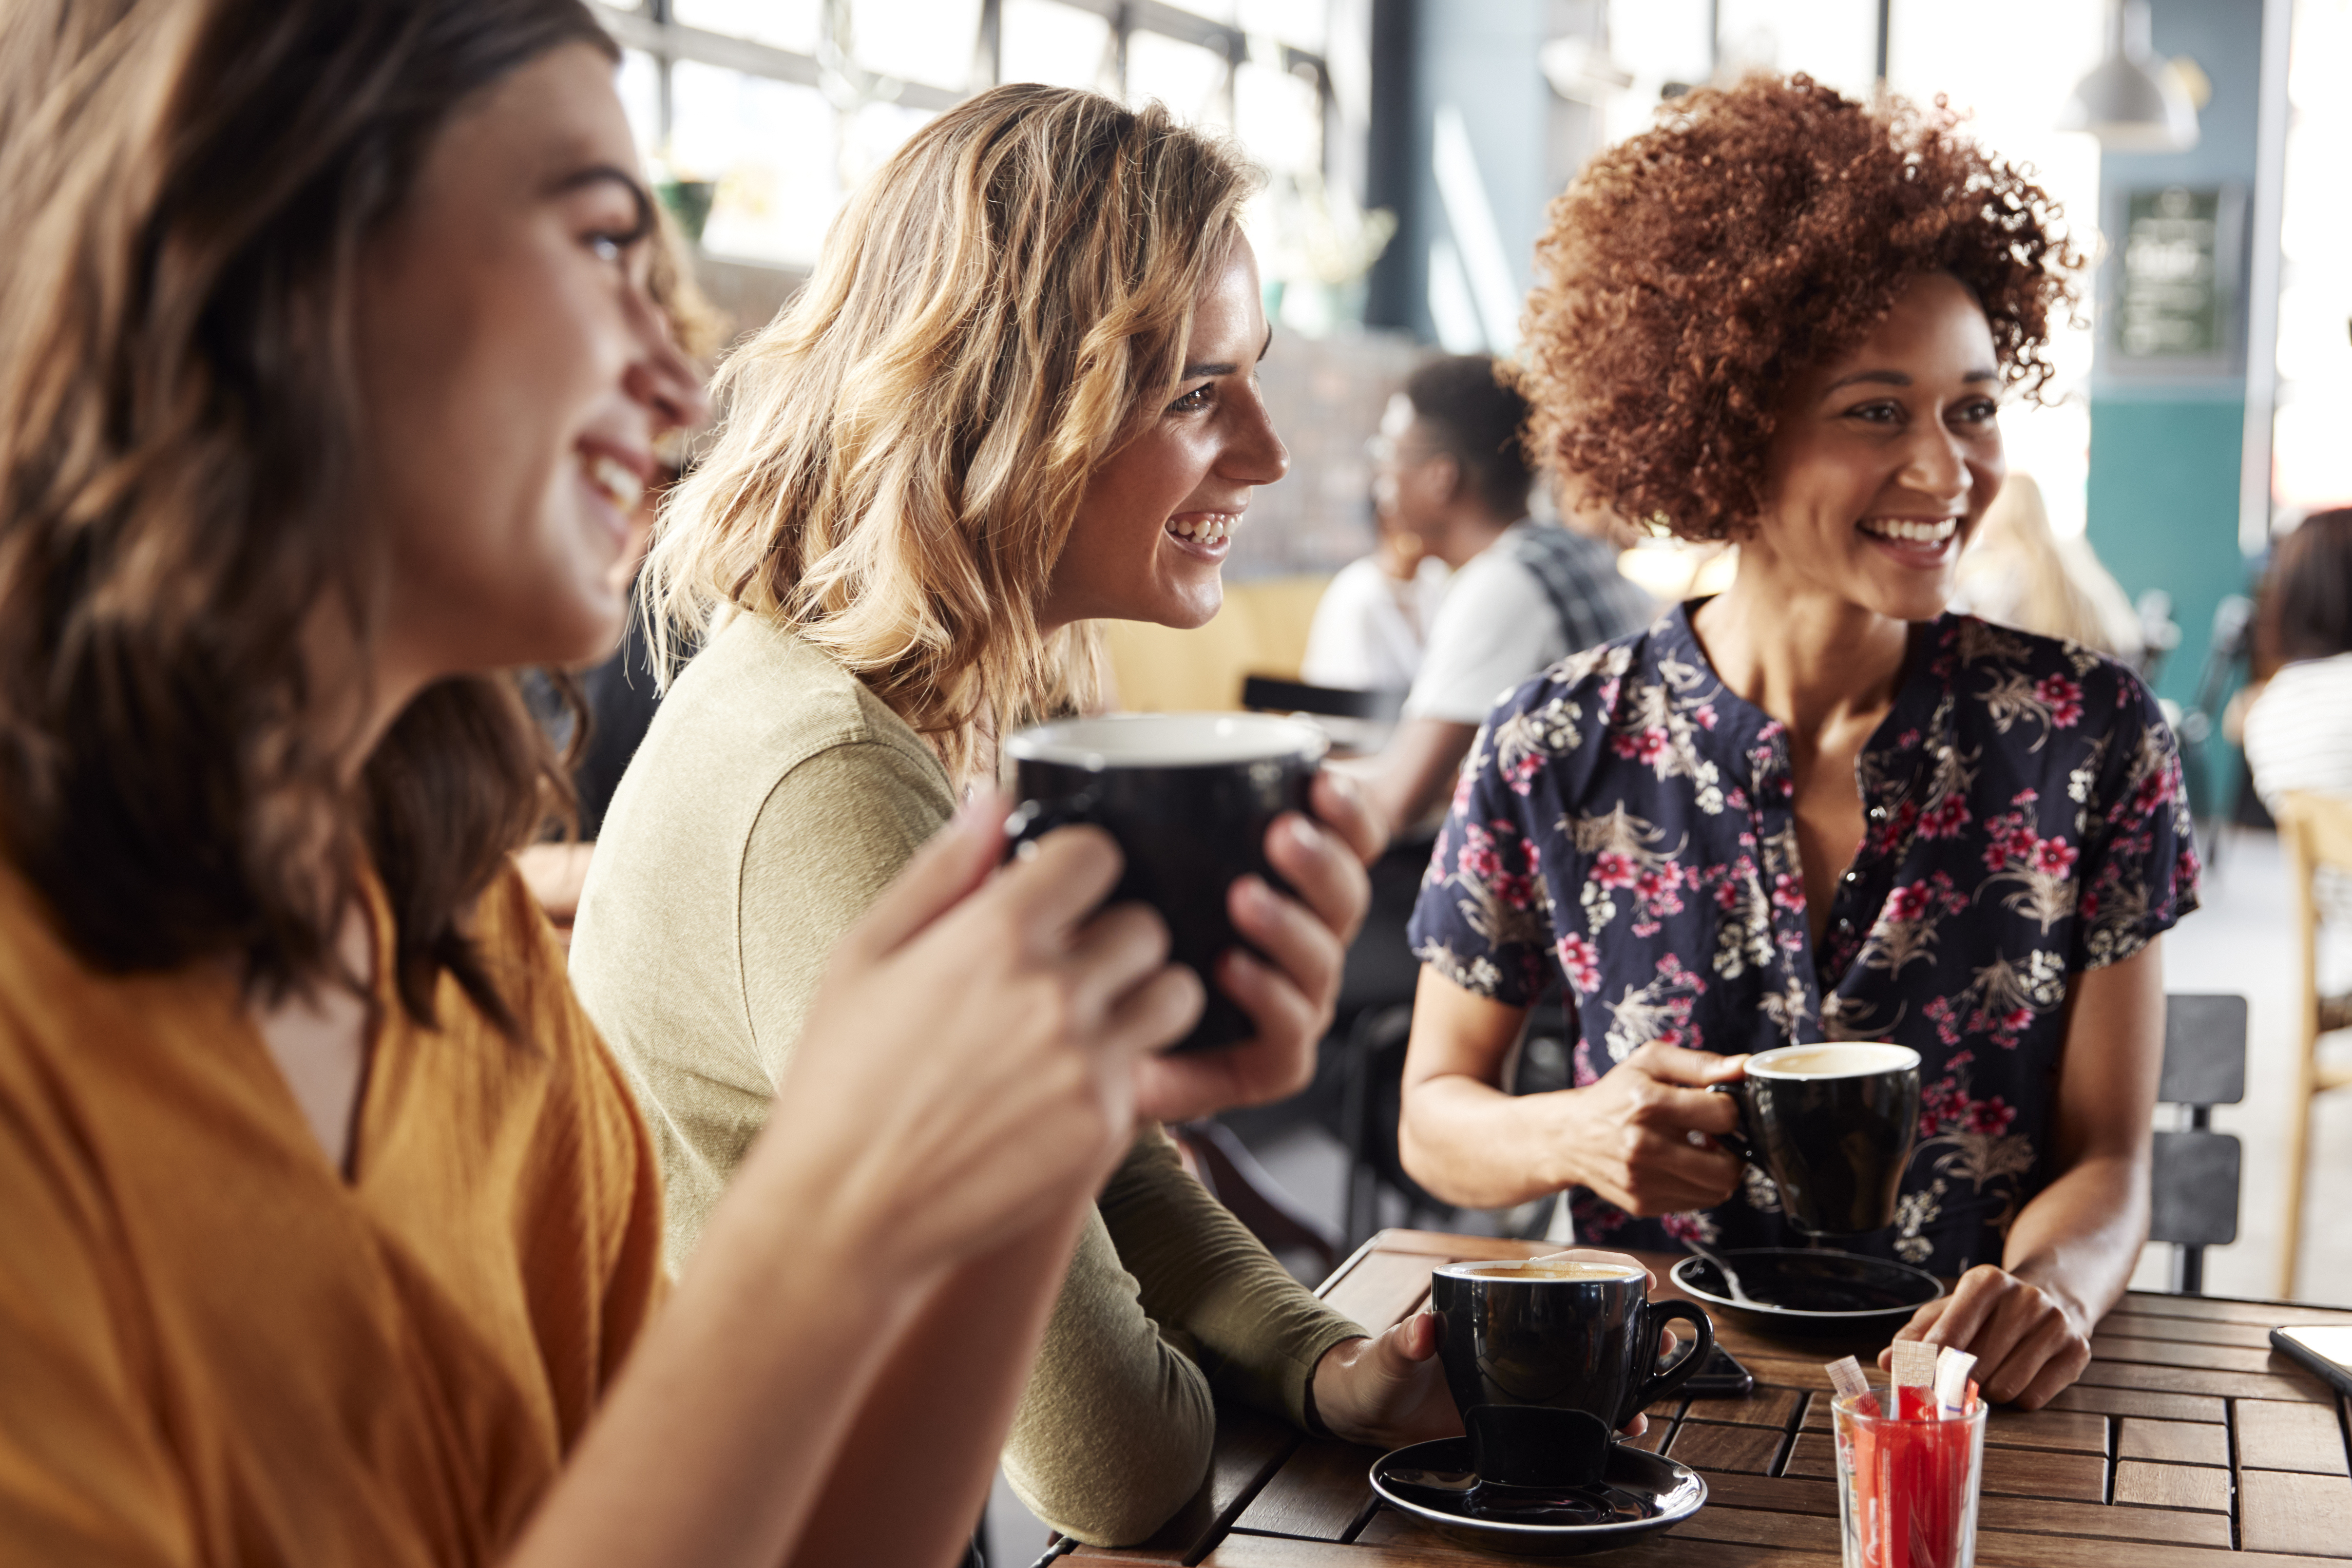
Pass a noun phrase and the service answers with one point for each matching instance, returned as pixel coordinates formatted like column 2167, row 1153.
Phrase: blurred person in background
column 2298, row 729
column 1018, row 395
column 1817, row 806
column 329, row 381
column 2017, row 572
column 1523, row 594
column 1372, row 622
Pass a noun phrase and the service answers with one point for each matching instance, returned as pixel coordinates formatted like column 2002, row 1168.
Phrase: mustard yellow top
column 214, row 1349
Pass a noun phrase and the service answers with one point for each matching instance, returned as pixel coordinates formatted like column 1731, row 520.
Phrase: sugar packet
column 1845, row 1376
column 1952, row 1369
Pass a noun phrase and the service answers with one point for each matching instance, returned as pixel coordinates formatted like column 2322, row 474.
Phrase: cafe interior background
column 2203, row 403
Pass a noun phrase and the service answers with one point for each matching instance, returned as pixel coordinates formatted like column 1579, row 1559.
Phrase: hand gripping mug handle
column 1661, row 1385
column 1739, row 1143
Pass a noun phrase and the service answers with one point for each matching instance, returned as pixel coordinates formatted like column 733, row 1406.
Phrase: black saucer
column 1798, row 1290
column 1640, row 1493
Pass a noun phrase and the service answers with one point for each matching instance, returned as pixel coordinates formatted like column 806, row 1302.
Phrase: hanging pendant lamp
column 2130, row 101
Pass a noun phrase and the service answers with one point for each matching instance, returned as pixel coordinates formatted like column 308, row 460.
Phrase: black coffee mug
column 1546, row 1359
column 1833, row 1125
column 1189, row 796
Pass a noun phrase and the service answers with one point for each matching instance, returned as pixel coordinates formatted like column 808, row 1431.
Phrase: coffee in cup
column 1833, row 1124
column 1546, row 1359
column 1189, row 797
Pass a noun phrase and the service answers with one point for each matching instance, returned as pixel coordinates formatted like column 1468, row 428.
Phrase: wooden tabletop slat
column 2222, row 1453
column 1768, row 1406
column 2276, row 1437
column 2008, row 1472
column 1706, row 1446
column 1381, row 1288
column 2173, row 1442
column 2142, row 1402
column 2153, row 1485
column 2186, row 1331
column 2281, row 1512
column 1321, row 1493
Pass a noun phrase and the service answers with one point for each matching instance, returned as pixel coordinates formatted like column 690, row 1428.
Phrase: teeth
column 1209, row 530
column 1915, row 530
column 612, row 476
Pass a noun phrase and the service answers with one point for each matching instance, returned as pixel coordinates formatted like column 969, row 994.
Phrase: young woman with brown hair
column 328, row 379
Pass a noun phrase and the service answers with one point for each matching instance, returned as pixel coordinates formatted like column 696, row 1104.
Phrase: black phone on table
column 1722, row 1377
column 2325, row 1348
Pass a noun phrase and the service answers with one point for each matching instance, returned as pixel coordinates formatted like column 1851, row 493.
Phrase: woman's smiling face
column 1154, row 526
column 1885, row 459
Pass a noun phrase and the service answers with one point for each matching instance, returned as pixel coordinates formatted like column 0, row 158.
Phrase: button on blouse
column 1625, row 825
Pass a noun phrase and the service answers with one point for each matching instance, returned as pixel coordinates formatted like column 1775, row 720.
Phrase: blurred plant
column 1316, row 245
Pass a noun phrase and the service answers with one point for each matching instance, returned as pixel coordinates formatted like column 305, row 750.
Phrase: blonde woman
column 1018, row 394
column 2018, row 571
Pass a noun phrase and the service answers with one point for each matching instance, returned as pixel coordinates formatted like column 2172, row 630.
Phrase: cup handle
column 1738, row 1142
column 1659, row 1385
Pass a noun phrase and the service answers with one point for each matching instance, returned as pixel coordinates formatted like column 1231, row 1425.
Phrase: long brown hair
column 905, row 446
column 186, row 185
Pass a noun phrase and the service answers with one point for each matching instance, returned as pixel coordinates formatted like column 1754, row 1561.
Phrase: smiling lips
column 1204, row 528
column 1915, row 540
column 614, row 479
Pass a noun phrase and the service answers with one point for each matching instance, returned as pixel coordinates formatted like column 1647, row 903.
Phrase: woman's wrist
column 1568, row 1136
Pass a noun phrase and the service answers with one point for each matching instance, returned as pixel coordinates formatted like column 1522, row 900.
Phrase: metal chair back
column 2194, row 1185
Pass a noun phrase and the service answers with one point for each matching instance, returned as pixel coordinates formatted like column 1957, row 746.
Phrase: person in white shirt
column 1372, row 622
column 2299, row 730
column 1524, row 595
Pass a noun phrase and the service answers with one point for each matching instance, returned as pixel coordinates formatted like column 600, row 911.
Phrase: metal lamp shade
column 2126, row 101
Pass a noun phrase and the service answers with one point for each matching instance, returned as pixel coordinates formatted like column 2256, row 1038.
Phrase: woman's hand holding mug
column 1643, row 1136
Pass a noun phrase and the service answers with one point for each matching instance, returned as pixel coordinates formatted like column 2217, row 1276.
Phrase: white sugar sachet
column 1952, row 1369
column 1845, row 1376
column 1915, row 1365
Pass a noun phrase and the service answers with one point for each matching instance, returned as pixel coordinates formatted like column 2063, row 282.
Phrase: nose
column 1937, row 465
column 1257, row 456
column 660, row 378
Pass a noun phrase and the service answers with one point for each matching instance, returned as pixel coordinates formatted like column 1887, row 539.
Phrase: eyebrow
column 1896, row 378
column 598, row 173
column 1226, row 367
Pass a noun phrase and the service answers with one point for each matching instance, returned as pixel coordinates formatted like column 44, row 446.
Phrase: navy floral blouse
column 1625, row 824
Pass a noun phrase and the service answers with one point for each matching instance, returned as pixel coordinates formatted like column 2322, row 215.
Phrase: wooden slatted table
column 2188, row 1443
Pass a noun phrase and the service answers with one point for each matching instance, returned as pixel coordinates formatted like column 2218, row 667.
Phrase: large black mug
column 1833, row 1125
column 1547, row 1358
column 1189, row 796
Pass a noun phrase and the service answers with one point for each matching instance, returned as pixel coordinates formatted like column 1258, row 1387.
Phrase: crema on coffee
column 1835, row 1059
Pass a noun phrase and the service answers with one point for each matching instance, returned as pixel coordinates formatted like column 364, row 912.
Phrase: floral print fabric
column 1626, row 823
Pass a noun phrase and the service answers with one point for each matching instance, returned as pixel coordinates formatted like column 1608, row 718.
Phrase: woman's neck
column 1806, row 656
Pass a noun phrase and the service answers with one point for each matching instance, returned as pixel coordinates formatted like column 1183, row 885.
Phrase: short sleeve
column 1495, row 630
column 2139, row 871
column 1480, row 921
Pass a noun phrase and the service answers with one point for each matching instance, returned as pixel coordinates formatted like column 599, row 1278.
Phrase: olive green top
column 770, row 804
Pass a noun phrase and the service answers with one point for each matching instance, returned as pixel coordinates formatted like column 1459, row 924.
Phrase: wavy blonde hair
column 999, row 309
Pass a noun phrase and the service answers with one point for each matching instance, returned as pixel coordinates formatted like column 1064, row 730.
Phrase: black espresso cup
column 1189, row 797
column 1833, row 1125
column 1547, row 1358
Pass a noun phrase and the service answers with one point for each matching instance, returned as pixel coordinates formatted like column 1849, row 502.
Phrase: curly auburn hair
column 1691, row 273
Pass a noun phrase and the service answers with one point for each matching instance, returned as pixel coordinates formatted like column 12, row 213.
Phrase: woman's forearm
column 940, row 1409
column 2080, row 1236
column 713, row 1445
column 1470, row 1143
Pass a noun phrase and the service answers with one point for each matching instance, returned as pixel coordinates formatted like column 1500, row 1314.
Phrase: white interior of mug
column 1832, row 1059
column 1542, row 1271
column 1166, row 740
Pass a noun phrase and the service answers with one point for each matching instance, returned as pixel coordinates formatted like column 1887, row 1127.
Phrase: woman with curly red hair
column 1816, row 806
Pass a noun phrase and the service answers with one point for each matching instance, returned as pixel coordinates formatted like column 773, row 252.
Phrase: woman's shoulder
column 2025, row 684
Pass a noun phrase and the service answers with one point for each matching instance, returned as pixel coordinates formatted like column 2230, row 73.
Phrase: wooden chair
column 2316, row 831
column 2194, row 1183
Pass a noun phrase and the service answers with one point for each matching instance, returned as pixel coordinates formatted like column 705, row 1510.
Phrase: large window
column 785, row 105
column 2312, row 458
